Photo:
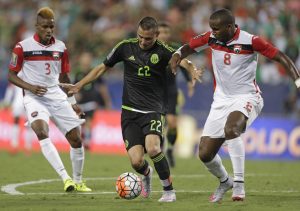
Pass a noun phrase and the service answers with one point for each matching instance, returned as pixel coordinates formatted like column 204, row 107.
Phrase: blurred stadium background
column 95, row 26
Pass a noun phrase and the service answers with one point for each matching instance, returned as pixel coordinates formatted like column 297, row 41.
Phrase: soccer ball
column 128, row 185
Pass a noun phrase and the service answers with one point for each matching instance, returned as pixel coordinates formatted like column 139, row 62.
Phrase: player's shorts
column 250, row 105
column 52, row 105
column 136, row 126
column 172, row 102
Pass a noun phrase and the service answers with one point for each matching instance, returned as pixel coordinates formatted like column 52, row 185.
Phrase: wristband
column 72, row 100
column 297, row 82
column 179, row 51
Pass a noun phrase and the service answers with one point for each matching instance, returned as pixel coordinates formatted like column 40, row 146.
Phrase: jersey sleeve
column 263, row 47
column 65, row 64
column 115, row 55
column 17, row 58
column 200, row 42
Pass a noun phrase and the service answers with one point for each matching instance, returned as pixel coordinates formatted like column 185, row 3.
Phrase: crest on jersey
column 55, row 55
column 14, row 60
column 237, row 48
column 154, row 58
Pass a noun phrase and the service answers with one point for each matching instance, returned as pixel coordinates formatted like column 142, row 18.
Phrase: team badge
column 55, row 55
column 237, row 48
column 14, row 60
column 154, row 58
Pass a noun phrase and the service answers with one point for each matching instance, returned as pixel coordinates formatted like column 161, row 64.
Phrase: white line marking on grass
column 11, row 188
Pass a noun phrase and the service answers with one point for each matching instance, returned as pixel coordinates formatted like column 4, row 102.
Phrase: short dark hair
column 225, row 15
column 148, row 23
column 163, row 24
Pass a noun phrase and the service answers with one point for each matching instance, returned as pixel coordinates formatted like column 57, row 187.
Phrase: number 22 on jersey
column 144, row 71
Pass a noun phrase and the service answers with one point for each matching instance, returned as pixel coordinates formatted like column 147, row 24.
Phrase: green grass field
column 270, row 185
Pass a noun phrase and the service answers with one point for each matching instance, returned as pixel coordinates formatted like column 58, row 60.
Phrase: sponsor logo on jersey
column 237, row 48
column 131, row 58
column 14, row 60
column 37, row 52
column 154, row 58
column 55, row 55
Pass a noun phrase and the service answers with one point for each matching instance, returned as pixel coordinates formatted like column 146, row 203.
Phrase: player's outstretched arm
column 289, row 66
column 95, row 73
column 35, row 89
column 180, row 54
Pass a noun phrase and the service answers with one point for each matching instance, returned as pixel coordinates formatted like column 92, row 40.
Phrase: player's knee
column 76, row 142
column 42, row 134
column 74, row 138
column 231, row 131
column 137, row 163
column 204, row 154
column 153, row 150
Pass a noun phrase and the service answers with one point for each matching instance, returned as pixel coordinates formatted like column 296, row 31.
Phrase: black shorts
column 172, row 103
column 135, row 127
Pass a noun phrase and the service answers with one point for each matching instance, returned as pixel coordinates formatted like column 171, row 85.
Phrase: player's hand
column 38, row 90
column 70, row 88
column 196, row 75
column 191, row 89
column 174, row 62
column 78, row 111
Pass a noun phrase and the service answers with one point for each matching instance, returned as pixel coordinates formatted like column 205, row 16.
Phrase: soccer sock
column 77, row 159
column 236, row 149
column 51, row 154
column 15, row 136
column 163, row 170
column 144, row 170
column 216, row 167
column 172, row 136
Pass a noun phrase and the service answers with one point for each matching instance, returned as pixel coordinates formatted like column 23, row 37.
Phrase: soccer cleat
column 171, row 158
column 221, row 190
column 168, row 196
column 69, row 185
column 238, row 191
column 146, row 183
column 81, row 187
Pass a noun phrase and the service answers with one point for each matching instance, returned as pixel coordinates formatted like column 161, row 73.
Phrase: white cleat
column 217, row 196
column 146, row 184
column 168, row 196
column 238, row 191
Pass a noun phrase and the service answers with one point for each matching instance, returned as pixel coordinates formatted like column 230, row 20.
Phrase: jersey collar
column 236, row 34
column 37, row 38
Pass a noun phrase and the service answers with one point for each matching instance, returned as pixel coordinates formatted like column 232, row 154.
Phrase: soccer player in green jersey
column 144, row 100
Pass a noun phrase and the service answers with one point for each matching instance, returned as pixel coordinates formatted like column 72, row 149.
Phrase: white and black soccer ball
column 128, row 185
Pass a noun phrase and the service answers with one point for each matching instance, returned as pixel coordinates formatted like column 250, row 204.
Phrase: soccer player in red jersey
column 38, row 64
column 237, row 100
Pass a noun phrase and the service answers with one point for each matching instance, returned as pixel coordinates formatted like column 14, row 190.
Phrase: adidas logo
column 131, row 58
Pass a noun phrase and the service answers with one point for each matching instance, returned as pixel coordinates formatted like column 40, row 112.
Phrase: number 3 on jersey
column 227, row 58
column 47, row 67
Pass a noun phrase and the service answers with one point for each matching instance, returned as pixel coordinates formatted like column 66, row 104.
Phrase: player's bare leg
column 152, row 144
column 138, row 162
column 77, row 158
column 235, row 125
column 41, row 129
column 208, row 149
column 171, row 136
